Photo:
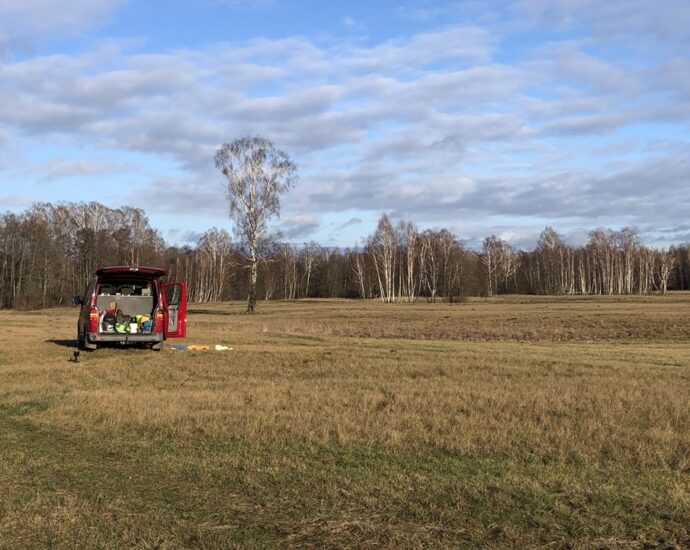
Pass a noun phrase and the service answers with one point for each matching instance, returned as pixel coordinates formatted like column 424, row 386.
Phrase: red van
column 131, row 305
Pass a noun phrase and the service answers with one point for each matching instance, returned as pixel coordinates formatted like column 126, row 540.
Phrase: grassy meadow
column 508, row 422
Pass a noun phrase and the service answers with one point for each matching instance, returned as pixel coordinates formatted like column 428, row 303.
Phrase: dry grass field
column 509, row 422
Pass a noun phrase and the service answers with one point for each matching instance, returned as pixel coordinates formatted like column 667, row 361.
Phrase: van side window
column 172, row 295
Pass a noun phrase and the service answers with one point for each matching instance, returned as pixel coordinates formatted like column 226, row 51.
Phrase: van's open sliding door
column 175, row 309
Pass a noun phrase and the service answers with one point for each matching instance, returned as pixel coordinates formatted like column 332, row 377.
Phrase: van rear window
column 138, row 289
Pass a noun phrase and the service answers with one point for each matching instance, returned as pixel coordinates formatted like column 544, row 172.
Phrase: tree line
column 48, row 253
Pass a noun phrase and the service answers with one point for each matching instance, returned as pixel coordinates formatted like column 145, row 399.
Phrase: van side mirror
column 76, row 300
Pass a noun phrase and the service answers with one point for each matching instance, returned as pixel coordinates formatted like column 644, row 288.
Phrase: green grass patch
column 69, row 490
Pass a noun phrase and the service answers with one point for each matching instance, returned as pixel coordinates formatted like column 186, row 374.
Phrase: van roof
column 148, row 272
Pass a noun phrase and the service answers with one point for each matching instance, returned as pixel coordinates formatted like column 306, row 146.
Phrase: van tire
column 157, row 347
column 86, row 346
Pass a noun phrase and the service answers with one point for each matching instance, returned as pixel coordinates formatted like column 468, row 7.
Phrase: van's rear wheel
column 157, row 347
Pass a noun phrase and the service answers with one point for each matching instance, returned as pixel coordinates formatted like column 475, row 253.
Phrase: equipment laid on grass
column 200, row 347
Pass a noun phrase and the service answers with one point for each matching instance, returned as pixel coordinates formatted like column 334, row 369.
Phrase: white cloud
column 65, row 168
column 299, row 226
column 664, row 20
column 22, row 21
column 14, row 202
column 458, row 44
column 437, row 126
column 349, row 223
column 349, row 23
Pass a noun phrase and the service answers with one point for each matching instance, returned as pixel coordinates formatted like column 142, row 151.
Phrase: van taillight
column 158, row 327
column 93, row 320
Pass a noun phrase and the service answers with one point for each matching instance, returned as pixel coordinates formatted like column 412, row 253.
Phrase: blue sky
column 497, row 117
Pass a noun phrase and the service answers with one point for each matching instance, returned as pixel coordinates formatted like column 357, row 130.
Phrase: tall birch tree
column 257, row 175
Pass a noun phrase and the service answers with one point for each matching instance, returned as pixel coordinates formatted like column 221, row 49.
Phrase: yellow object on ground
column 198, row 348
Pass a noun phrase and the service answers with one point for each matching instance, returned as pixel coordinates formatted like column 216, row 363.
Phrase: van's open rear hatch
column 116, row 272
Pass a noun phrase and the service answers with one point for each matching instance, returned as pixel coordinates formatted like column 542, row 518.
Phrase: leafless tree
column 665, row 264
column 270, row 278
column 211, row 266
column 552, row 274
column 257, row 174
column 409, row 261
column 430, row 263
column 508, row 265
column 629, row 244
column 491, row 253
column 48, row 252
column 359, row 269
column 288, row 262
column 382, row 246
column 310, row 255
